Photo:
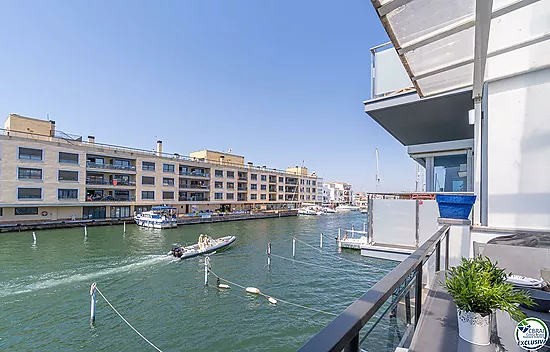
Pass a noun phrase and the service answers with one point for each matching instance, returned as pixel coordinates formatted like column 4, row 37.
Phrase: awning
column 450, row 44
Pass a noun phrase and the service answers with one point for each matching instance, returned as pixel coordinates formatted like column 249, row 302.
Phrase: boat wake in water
column 49, row 280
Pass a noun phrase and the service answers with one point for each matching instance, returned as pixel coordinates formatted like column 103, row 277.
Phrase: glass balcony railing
column 193, row 199
column 192, row 186
column 195, row 173
column 93, row 165
column 110, row 199
column 389, row 76
column 110, row 182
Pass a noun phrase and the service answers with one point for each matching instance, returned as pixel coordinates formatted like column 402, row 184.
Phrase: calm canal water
column 45, row 302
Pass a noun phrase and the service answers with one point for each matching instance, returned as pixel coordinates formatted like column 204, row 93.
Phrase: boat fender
column 253, row 290
column 272, row 300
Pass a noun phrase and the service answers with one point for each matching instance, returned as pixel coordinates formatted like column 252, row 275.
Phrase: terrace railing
column 346, row 332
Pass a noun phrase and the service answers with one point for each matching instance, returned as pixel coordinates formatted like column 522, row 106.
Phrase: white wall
column 519, row 151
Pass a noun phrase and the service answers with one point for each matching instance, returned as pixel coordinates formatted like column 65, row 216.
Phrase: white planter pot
column 474, row 328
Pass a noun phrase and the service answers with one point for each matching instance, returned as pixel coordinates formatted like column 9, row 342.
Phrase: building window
column 301, row 182
column 167, row 195
column 218, row 184
column 280, row 197
column 120, row 212
column 218, row 196
column 147, row 166
column 313, row 183
column 313, row 190
column 263, row 187
column 313, row 197
column 29, row 174
column 121, row 163
column 230, row 185
column 148, row 180
column 63, row 175
column 253, row 177
column 141, row 208
column 308, row 182
column 263, row 196
column 230, row 174
column 68, row 158
column 30, row 153
column 1, row 211
column 147, row 194
column 94, row 212
column 253, row 186
column 230, row 196
column 67, row 193
column 166, row 181
column 263, row 177
column 26, row 211
column 281, row 188
column 307, row 197
column 253, row 196
column 307, row 190
column 29, row 193
column 168, row 168
column 218, row 173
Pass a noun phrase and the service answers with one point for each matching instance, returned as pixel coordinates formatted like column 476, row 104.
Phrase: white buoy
column 92, row 303
column 223, row 286
column 272, row 300
column 253, row 290
column 206, row 260
column 33, row 238
column 321, row 240
column 293, row 247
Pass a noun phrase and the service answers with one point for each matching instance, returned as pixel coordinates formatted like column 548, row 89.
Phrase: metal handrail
column 343, row 332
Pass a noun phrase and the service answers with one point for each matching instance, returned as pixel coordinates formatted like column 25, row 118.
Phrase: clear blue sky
column 277, row 81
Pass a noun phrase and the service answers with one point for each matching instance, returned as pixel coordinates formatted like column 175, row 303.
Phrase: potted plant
column 455, row 206
column 479, row 287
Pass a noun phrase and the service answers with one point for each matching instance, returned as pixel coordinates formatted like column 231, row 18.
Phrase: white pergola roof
column 450, row 44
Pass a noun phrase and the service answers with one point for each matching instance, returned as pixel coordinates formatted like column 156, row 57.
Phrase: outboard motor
column 177, row 252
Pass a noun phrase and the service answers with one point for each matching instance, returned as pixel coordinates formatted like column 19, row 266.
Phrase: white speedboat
column 205, row 245
column 161, row 217
column 308, row 211
column 328, row 210
column 347, row 208
column 353, row 242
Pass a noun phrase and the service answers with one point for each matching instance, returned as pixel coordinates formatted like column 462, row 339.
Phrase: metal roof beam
column 482, row 28
column 459, row 26
column 383, row 10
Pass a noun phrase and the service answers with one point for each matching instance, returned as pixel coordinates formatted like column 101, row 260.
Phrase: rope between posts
column 126, row 321
column 332, row 255
column 316, row 265
column 278, row 299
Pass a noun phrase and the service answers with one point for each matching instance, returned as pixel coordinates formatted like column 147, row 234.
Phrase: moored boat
column 205, row 245
column 308, row 211
column 161, row 217
column 347, row 208
column 328, row 210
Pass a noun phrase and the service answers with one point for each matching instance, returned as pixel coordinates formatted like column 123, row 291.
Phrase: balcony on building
column 242, row 176
column 94, row 179
column 193, row 171
column 109, row 195
column 242, row 197
column 193, row 197
column 291, row 180
column 110, row 164
column 191, row 184
column 242, row 187
column 272, row 189
column 272, row 179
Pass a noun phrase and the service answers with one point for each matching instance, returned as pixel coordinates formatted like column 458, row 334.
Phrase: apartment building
column 339, row 193
column 46, row 174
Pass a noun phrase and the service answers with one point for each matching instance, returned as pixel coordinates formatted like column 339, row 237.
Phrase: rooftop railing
column 346, row 332
column 134, row 152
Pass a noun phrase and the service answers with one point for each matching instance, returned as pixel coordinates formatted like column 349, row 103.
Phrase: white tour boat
column 347, row 208
column 161, row 217
column 308, row 211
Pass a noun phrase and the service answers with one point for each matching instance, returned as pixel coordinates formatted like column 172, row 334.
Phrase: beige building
column 46, row 174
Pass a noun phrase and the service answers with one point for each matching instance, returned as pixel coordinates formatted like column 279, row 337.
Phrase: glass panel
column 446, row 51
column 450, row 173
column 453, row 79
column 420, row 17
column 520, row 25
